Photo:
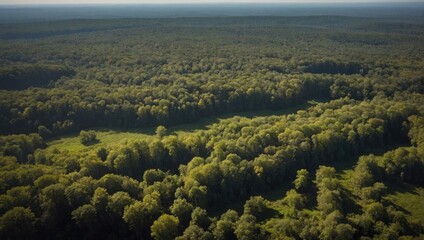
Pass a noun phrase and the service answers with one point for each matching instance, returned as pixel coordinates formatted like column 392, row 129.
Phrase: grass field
column 110, row 137
column 409, row 199
column 72, row 143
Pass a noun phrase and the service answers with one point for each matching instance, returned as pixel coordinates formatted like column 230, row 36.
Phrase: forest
column 207, row 128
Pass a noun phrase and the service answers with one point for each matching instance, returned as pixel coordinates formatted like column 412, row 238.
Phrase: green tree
column 302, row 181
column 160, row 131
column 85, row 215
column 118, row 202
column 44, row 132
column 17, row 223
column 88, row 137
column 165, row 227
column 182, row 209
column 194, row 232
column 255, row 206
column 294, row 200
column 140, row 215
column 225, row 226
column 100, row 199
column 200, row 218
column 246, row 228
column 102, row 153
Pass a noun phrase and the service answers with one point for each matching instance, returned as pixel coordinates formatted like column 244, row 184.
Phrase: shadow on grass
column 91, row 143
column 400, row 187
column 350, row 163
column 396, row 206
column 205, row 122
column 269, row 213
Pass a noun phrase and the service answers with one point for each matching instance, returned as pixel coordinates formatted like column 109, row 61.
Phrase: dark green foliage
column 246, row 228
column 331, row 67
column 88, row 137
column 160, row 131
column 200, row 218
column 182, row 209
column 160, row 72
column 302, row 181
column 20, row 146
column 255, row 68
column 18, row 223
column 294, row 200
column 102, row 153
column 226, row 225
column 35, row 75
column 255, row 206
column 165, row 227
column 44, row 132
column 85, row 215
column 194, row 232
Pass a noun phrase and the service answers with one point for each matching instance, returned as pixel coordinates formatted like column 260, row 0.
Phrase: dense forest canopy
column 92, row 144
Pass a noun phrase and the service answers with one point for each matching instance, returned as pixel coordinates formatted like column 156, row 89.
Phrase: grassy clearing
column 72, row 142
column 110, row 137
column 205, row 123
column 408, row 198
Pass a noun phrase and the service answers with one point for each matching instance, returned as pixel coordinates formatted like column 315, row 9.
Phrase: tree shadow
column 269, row 213
column 396, row 206
column 394, row 187
column 90, row 143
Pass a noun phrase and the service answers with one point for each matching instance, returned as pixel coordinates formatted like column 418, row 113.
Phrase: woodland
column 243, row 128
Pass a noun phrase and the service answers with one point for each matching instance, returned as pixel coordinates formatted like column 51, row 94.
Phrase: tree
column 329, row 223
column 44, row 132
column 160, row 131
column 375, row 211
column 246, row 228
column 224, row 228
column 134, row 216
column 85, row 215
column 294, row 200
column 140, row 215
column 362, row 175
column 55, row 206
column 46, row 180
column 328, row 201
column 325, row 172
column 302, row 181
column 21, row 195
column 17, row 223
column 344, row 231
column 151, row 176
column 118, row 202
column 255, row 206
column 78, row 194
column 198, row 196
column 165, row 227
column 194, row 232
column 182, row 209
column 102, row 153
column 200, row 218
column 100, row 199
column 373, row 193
column 88, row 137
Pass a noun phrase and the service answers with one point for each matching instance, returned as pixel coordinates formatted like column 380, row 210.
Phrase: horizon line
column 292, row 2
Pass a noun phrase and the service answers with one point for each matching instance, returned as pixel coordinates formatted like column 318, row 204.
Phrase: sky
column 189, row 1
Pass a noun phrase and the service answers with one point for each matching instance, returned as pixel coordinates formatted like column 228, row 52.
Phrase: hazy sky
column 190, row 1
